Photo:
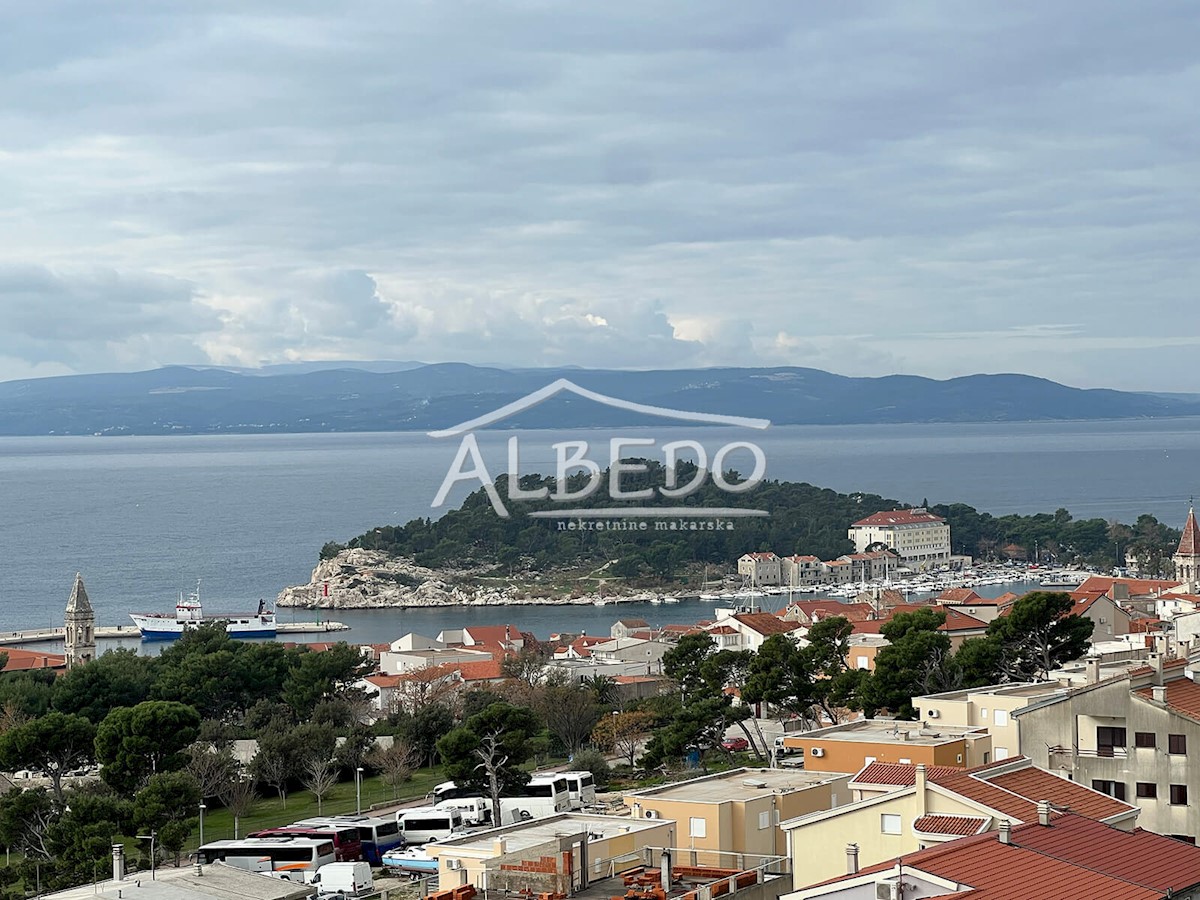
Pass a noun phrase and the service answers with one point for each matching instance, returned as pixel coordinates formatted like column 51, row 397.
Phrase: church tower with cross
column 1187, row 557
column 80, row 644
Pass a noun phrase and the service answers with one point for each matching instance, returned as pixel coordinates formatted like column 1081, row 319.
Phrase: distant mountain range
column 410, row 396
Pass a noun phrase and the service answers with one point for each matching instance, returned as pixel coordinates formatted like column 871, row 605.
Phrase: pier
column 39, row 635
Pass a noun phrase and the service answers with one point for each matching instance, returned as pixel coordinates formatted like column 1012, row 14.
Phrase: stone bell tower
column 80, row 626
column 1187, row 557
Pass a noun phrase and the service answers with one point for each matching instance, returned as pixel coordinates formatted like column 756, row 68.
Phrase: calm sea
column 144, row 517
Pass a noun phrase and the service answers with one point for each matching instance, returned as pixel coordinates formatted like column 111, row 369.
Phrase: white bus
column 290, row 856
column 582, row 788
column 475, row 810
column 428, row 823
column 544, row 795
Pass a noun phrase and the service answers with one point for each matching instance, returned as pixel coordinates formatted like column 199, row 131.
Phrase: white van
column 428, row 823
column 475, row 810
column 344, row 879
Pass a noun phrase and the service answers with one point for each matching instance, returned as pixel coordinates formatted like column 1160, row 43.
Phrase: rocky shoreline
column 368, row 579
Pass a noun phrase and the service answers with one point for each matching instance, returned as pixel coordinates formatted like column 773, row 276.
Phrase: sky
column 935, row 188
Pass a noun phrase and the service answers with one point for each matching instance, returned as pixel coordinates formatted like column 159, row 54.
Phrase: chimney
column 903, row 735
column 852, row 859
column 1092, row 669
column 1043, row 809
column 1005, row 831
column 664, row 869
column 1156, row 663
column 118, row 852
column 501, row 846
column 1161, row 644
column 198, row 870
column 1159, row 693
column 921, row 781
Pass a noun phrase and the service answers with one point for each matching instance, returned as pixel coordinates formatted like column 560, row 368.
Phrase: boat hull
column 154, row 628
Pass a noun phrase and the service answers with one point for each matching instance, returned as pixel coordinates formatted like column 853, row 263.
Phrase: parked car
column 734, row 744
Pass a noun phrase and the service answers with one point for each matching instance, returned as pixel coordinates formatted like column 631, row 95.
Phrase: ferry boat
column 189, row 615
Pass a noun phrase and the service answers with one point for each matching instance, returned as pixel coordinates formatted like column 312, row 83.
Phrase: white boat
column 189, row 615
column 670, row 599
column 412, row 861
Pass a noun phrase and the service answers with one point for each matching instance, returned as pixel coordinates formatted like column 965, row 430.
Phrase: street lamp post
column 202, row 809
column 151, row 837
column 358, row 790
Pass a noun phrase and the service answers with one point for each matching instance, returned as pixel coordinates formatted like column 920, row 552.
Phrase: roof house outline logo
column 572, row 456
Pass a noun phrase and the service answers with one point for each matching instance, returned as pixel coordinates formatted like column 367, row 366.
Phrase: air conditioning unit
column 933, row 713
column 651, row 814
column 817, row 751
column 454, row 864
column 889, row 889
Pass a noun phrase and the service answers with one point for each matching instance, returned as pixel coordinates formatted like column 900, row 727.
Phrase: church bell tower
column 80, row 626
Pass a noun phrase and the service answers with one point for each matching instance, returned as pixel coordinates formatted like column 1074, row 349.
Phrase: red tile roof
column 1072, row 858
column 960, row 621
column 1183, row 694
column 1138, row 587
column 1189, row 542
column 24, row 660
column 1140, row 857
column 722, row 629
column 1038, row 784
column 898, row 517
column 855, row 612
column 899, row 774
column 493, row 634
column 488, row 670
column 807, row 559
column 764, row 556
column 766, row 623
column 951, row 824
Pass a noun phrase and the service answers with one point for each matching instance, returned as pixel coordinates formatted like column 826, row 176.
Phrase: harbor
column 130, row 632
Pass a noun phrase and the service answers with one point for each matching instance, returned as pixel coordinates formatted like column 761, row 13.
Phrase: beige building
column 849, row 747
column 514, row 855
column 921, row 538
column 902, row 809
column 989, row 707
column 761, row 568
column 740, row 811
column 798, row 570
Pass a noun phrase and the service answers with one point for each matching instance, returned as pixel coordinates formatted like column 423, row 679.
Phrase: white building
column 760, row 568
column 921, row 538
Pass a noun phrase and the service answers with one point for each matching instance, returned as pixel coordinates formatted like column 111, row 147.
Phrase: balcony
column 1091, row 752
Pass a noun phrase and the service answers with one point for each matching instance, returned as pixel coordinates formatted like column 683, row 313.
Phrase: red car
column 735, row 743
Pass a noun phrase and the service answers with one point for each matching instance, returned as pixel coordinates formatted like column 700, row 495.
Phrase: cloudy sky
column 929, row 187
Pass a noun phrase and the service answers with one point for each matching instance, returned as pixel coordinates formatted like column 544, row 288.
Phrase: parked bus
column 544, row 795
column 428, row 823
column 346, row 844
column 582, row 788
column 291, row 856
column 377, row 835
column 448, row 790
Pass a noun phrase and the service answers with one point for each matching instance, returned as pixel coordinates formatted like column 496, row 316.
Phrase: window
column 698, row 827
column 764, row 819
column 1186, row 838
column 1179, row 795
column 889, row 823
column 905, row 761
column 1001, row 717
column 1001, row 753
column 986, row 760
column 1112, row 788
column 1177, row 744
column 1108, row 738
column 1145, row 739
column 862, row 662
column 1147, row 790
column 960, row 759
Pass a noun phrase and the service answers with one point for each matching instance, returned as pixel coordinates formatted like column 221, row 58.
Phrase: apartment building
column 760, row 569
column 901, row 809
column 740, row 811
column 1134, row 736
column 988, row 707
column 852, row 745
column 1056, row 857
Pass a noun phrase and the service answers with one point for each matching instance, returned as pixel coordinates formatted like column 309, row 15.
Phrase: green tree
column 486, row 752
column 318, row 675
column 1039, row 634
column 165, row 805
column 569, row 712
column 916, row 661
column 118, row 678
column 136, row 742
column 54, row 744
column 623, row 733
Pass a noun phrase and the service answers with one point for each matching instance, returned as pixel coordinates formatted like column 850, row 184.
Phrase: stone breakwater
column 367, row 579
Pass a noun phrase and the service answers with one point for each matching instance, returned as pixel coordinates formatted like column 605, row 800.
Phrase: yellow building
column 902, row 809
column 850, row 746
column 740, row 811
column 989, row 707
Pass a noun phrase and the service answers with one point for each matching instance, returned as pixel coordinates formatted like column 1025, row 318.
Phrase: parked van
column 475, row 810
column 582, row 788
column 428, row 823
column 344, row 879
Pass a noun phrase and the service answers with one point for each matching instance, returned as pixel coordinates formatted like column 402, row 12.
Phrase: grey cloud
column 450, row 180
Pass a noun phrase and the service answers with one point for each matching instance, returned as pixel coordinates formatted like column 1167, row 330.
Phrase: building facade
column 917, row 535
column 80, row 622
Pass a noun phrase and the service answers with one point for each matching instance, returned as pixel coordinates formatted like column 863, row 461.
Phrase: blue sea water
column 144, row 517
